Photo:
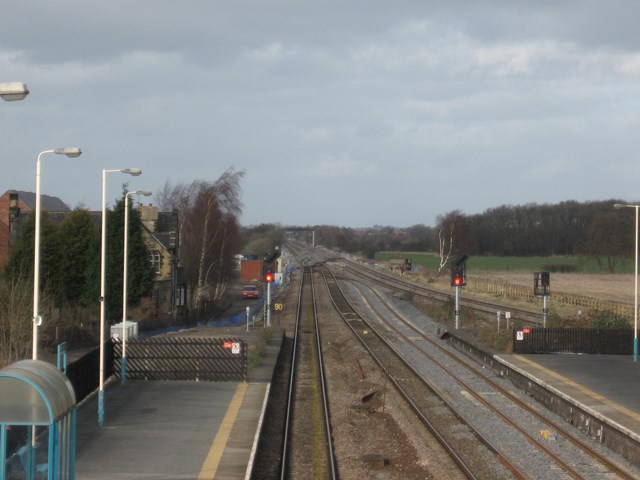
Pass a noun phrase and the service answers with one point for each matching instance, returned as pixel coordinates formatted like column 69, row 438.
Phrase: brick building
column 15, row 205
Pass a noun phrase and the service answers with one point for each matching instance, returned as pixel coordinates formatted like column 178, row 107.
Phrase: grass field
column 587, row 280
column 514, row 264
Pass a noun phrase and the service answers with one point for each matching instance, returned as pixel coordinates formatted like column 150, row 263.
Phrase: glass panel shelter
column 37, row 422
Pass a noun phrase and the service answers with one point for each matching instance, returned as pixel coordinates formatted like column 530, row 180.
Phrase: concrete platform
column 175, row 430
column 607, row 385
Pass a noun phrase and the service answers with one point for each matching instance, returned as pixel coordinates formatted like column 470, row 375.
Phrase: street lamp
column 12, row 91
column 123, row 364
column 635, row 303
column 103, row 267
column 71, row 152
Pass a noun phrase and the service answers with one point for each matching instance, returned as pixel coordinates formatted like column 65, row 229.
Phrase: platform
column 607, row 385
column 175, row 429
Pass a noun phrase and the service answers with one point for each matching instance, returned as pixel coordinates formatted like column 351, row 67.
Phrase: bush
column 604, row 319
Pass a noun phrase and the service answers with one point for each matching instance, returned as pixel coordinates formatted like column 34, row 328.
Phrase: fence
column 573, row 340
column 182, row 358
column 507, row 289
column 83, row 373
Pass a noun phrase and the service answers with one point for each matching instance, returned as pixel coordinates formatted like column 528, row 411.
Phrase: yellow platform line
column 583, row 389
column 211, row 463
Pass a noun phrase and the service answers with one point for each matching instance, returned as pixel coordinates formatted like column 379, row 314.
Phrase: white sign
column 507, row 315
column 519, row 336
column 235, row 348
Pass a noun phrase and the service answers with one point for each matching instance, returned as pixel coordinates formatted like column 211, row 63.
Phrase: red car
column 250, row 291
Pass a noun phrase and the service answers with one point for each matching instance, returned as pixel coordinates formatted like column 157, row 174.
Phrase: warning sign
column 519, row 335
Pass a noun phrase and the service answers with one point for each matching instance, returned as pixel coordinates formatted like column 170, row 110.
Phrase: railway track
column 399, row 285
column 307, row 447
column 458, row 400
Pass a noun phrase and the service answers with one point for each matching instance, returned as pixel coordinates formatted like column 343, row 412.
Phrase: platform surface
column 606, row 384
column 175, row 430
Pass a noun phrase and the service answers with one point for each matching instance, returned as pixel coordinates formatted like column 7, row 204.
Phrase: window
column 156, row 261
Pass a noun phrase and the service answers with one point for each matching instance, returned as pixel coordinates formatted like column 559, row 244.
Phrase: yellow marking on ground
column 211, row 463
column 583, row 389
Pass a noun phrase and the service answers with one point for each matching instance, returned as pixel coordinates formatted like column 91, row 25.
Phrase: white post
column 268, row 304
column 36, row 263
column 123, row 363
column 103, row 263
column 71, row 152
column 457, row 307
column 103, row 273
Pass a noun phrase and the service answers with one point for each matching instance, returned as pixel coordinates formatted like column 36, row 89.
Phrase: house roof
column 47, row 202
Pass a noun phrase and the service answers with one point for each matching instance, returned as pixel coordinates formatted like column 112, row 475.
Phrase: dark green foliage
column 607, row 320
column 77, row 236
column 140, row 270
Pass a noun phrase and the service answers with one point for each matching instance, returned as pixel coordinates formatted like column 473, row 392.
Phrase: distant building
column 15, row 205
column 161, row 238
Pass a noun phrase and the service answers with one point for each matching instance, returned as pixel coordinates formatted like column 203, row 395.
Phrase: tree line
column 567, row 228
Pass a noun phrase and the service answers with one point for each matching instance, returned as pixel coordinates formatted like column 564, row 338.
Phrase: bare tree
column 15, row 318
column 208, row 230
column 452, row 236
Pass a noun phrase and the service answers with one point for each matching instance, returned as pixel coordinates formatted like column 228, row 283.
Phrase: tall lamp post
column 12, row 91
column 123, row 364
column 103, row 270
column 635, row 303
column 71, row 152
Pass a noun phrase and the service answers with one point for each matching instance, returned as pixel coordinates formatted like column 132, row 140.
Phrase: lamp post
column 103, row 267
column 71, row 152
column 123, row 364
column 12, row 91
column 635, row 303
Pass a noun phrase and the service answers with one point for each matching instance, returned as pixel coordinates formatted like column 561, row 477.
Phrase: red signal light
column 268, row 277
column 457, row 280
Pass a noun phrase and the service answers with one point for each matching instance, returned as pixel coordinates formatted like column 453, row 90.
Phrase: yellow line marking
column 211, row 463
column 585, row 390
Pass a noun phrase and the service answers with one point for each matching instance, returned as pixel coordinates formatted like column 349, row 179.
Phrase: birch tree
column 453, row 236
column 208, row 232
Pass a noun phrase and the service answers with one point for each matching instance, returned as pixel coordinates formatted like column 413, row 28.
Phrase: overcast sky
column 350, row 113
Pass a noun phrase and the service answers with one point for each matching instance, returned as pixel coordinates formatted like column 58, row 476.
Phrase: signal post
column 269, row 279
column 459, row 279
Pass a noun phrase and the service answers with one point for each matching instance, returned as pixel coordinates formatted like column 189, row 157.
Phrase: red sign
column 526, row 330
column 227, row 344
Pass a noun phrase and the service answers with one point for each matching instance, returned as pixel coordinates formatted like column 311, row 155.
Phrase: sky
column 340, row 112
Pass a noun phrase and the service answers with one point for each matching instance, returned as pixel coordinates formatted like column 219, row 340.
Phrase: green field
column 514, row 264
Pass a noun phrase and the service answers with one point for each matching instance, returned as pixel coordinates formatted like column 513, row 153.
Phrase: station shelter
column 37, row 422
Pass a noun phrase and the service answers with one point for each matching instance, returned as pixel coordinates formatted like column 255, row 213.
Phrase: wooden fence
column 507, row 289
column 573, row 340
column 182, row 358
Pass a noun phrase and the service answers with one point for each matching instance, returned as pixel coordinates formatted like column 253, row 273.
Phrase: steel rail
column 326, row 467
column 615, row 468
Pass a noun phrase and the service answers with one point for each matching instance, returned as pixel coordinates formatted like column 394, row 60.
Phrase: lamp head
column 134, row 172
column 145, row 193
column 71, row 152
column 12, row 91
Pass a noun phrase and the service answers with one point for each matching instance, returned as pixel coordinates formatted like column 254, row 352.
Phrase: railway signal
column 268, row 277
column 458, row 279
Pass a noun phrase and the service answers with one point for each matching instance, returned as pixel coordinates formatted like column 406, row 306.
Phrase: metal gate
column 182, row 358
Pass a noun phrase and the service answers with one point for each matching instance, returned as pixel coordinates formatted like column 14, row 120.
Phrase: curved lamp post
column 103, row 267
column 12, row 91
column 123, row 364
column 635, row 303
column 71, row 152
